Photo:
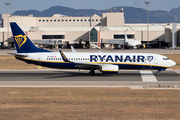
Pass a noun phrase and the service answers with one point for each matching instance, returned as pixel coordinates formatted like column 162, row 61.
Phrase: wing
column 81, row 65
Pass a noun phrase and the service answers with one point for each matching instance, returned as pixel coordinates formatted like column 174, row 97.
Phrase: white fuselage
column 133, row 43
column 123, row 60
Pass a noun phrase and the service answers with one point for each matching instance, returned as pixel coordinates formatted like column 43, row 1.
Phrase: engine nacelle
column 109, row 69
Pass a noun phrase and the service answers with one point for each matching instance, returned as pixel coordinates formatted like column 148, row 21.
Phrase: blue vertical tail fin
column 22, row 42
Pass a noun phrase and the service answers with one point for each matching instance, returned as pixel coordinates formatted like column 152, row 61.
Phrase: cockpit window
column 165, row 58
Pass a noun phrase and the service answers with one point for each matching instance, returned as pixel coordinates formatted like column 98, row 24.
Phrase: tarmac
column 73, row 78
column 134, row 79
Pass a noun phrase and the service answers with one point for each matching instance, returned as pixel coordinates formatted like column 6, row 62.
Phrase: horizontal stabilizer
column 19, row 54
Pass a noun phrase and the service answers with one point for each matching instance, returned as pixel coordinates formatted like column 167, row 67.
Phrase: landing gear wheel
column 158, row 73
column 91, row 72
column 138, row 46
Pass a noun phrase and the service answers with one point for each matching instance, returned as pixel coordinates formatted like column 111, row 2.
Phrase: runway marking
column 148, row 76
column 177, row 71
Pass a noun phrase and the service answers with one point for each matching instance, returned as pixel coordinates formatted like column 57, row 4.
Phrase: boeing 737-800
column 105, row 62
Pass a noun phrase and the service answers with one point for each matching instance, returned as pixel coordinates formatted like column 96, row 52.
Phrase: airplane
column 128, row 43
column 104, row 62
column 133, row 43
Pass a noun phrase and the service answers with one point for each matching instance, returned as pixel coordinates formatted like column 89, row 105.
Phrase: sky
column 40, row 5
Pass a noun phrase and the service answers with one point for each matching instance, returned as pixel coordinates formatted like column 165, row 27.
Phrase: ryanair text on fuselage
column 119, row 58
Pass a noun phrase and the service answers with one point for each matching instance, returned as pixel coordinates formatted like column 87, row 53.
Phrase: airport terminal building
column 61, row 31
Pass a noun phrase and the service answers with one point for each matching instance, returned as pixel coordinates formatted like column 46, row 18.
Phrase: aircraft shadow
column 82, row 74
column 75, row 76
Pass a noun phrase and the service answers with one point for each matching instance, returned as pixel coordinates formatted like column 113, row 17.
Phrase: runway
column 76, row 78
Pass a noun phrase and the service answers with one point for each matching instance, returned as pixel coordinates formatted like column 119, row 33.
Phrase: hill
column 132, row 14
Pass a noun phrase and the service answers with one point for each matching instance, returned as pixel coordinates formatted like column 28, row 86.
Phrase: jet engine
column 109, row 69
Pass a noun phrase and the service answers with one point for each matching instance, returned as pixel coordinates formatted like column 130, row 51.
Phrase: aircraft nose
column 172, row 63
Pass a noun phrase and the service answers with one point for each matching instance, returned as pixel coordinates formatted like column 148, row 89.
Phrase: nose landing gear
column 158, row 72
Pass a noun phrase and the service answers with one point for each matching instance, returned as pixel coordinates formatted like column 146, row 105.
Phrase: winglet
column 65, row 59
column 72, row 48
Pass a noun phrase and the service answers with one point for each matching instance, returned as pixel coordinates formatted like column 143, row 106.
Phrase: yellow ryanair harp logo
column 20, row 40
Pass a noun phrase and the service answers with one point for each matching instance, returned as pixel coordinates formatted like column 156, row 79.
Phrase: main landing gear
column 92, row 72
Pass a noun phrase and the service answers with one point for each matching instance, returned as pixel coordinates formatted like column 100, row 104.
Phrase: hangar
column 61, row 31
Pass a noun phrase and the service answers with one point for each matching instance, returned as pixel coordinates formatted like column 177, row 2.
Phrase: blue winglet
column 65, row 59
